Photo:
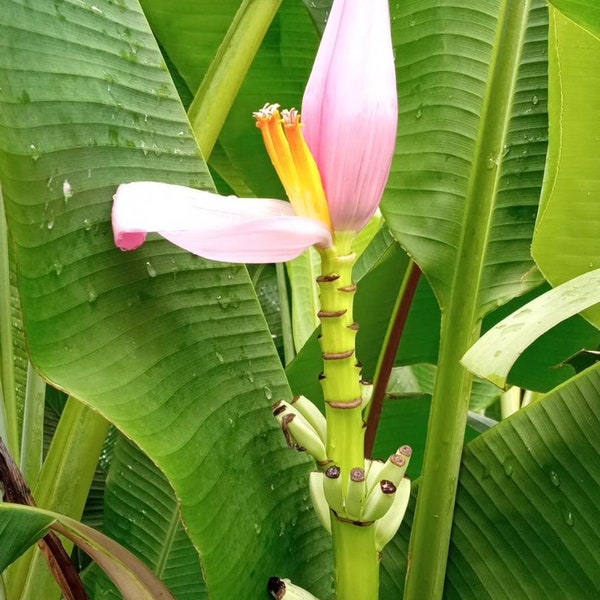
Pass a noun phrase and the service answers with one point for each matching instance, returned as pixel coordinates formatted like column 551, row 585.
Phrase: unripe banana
column 299, row 433
column 333, row 490
column 373, row 472
column 379, row 501
column 395, row 466
column 312, row 414
column 355, row 493
column 317, row 495
column 284, row 589
column 388, row 525
column 306, row 437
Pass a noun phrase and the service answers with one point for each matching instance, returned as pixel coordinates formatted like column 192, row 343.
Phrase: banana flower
column 333, row 161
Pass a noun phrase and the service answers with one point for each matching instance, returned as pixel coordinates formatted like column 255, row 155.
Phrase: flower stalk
column 355, row 554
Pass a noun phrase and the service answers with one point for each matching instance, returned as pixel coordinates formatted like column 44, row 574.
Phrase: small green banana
column 317, row 495
column 332, row 488
column 379, row 501
column 284, row 589
column 388, row 525
column 298, row 432
column 355, row 494
column 312, row 414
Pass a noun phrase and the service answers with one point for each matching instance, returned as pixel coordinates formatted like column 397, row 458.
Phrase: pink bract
column 224, row 228
column 350, row 110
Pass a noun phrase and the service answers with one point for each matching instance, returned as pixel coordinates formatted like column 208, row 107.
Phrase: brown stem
column 17, row 491
column 386, row 363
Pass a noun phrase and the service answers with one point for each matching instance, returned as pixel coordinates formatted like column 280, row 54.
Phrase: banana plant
column 175, row 353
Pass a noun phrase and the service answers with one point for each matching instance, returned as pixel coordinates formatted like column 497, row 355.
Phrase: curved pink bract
column 223, row 228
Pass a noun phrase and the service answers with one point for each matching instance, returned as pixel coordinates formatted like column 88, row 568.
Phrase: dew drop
column 57, row 268
column 35, row 152
column 568, row 517
column 492, row 162
column 508, row 468
column 92, row 294
column 87, row 224
column 219, row 357
column 50, row 223
column 151, row 270
column 419, row 113
column 554, row 478
column 412, row 23
column 268, row 392
column 67, row 191
column 535, row 100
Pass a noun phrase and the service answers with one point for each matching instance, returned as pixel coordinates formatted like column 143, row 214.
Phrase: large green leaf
column 443, row 52
column 542, row 366
column 494, row 354
column 160, row 342
column 461, row 199
column 566, row 237
column 526, row 523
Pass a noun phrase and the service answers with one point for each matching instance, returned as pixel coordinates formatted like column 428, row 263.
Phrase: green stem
column 341, row 372
column 356, row 561
column 461, row 320
column 227, row 71
column 356, row 558
column 62, row 487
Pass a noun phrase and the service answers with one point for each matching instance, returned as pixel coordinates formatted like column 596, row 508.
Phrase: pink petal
column 350, row 109
column 224, row 228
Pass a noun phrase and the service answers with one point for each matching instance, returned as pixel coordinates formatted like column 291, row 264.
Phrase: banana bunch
column 377, row 492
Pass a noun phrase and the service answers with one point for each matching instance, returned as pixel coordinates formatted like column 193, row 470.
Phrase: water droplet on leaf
column 35, row 152
column 568, row 516
column 151, row 270
column 67, row 191
column 92, row 294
